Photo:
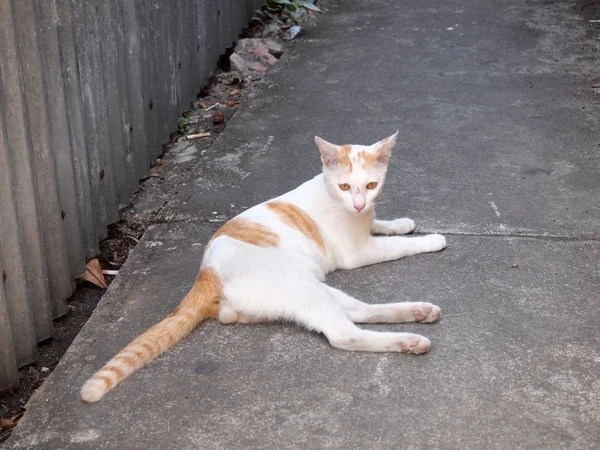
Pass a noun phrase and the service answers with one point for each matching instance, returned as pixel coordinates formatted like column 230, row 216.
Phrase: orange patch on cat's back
column 250, row 232
column 295, row 217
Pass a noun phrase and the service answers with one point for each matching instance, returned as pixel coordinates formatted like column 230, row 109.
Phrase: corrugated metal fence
column 89, row 92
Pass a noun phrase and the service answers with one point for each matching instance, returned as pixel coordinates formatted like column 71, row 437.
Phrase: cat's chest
column 344, row 238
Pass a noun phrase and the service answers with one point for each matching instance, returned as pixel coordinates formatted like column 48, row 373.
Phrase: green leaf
column 309, row 5
column 283, row 2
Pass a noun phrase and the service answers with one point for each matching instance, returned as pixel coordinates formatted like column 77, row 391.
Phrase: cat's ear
column 383, row 148
column 329, row 151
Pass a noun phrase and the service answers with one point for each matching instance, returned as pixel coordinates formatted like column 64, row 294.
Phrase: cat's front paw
column 403, row 226
column 434, row 243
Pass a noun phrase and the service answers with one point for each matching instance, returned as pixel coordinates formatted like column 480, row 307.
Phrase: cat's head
column 355, row 174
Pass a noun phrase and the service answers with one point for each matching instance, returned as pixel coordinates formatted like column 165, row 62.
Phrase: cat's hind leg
column 342, row 333
column 311, row 304
column 403, row 312
column 228, row 315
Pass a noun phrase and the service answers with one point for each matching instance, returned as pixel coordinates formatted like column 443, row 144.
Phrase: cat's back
column 280, row 227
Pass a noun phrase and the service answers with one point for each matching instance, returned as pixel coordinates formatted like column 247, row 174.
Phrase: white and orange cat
column 269, row 263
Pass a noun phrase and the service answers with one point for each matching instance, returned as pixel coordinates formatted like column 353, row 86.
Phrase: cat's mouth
column 353, row 210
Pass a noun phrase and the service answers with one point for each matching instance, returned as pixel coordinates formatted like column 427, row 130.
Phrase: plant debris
column 218, row 118
column 8, row 424
column 93, row 273
column 224, row 92
column 197, row 135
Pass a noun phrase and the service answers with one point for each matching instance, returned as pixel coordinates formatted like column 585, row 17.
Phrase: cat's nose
column 359, row 207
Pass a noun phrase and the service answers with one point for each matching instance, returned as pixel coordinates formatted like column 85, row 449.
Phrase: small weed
column 291, row 12
column 183, row 122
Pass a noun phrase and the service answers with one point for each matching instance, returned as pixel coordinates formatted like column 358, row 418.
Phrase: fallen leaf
column 231, row 103
column 161, row 162
column 218, row 118
column 204, row 105
column 93, row 273
column 515, row 266
column 234, row 93
column 9, row 424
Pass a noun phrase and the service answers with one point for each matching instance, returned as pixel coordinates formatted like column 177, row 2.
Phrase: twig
column 196, row 136
column 211, row 107
column 588, row 4
column 132, row 238
column 110, row 272
column 114, row 264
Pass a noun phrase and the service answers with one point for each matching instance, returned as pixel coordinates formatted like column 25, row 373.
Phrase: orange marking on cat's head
column 295, row 217
column 344, row 156
column 249, row 232
column 369, row 159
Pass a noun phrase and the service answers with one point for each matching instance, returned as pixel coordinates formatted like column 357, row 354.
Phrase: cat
column 269, row 263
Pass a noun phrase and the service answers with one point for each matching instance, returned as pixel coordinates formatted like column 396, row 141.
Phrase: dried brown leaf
column 234, row 93
column 231, row 103
column 218, row 118
column 9, row 424
column 161, row 162
column 93, row 273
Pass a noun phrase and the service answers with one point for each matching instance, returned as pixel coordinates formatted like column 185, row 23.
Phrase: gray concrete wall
column 89, row 92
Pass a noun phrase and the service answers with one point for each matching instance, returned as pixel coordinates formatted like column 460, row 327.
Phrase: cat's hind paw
column 415, row 344
column 426, row 312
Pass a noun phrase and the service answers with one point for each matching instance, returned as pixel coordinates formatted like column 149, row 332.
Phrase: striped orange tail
column 200, row 303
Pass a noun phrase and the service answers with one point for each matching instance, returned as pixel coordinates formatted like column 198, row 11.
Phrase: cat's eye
column 344, row 186
column 371, row 185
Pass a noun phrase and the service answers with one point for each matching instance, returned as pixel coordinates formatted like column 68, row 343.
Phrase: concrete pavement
column 500, row 151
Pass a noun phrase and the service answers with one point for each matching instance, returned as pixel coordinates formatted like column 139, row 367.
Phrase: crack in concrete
column 549, row 237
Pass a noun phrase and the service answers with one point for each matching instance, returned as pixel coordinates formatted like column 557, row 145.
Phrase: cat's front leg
column 391, row 227
column 388, row 248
